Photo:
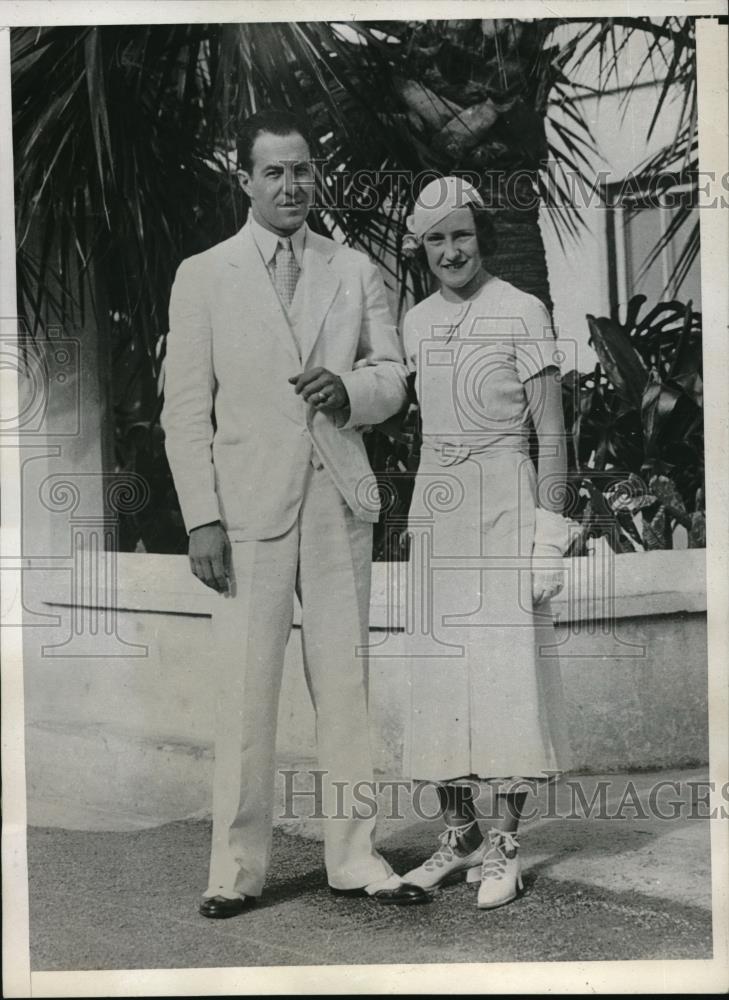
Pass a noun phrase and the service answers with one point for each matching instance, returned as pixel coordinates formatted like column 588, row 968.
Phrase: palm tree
column 123, row 138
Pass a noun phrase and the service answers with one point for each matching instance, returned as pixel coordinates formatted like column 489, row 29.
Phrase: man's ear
column 244, row 179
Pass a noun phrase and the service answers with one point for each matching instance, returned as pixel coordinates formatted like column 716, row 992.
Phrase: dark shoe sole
column 225, row 913
column 416, row 901
column 382, row 900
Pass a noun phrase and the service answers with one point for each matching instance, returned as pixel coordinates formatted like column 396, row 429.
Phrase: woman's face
column 451, row 247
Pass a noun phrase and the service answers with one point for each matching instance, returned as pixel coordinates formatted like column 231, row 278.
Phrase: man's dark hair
column 275, row 121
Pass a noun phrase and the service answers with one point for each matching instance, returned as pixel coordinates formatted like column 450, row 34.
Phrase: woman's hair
column 485, row 234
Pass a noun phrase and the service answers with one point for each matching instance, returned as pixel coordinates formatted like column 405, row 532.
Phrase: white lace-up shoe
column 500, row 871
column 445, row 865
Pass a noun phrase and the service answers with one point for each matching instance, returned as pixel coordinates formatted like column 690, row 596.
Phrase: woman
column 486, row 544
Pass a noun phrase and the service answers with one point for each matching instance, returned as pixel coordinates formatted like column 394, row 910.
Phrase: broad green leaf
column 619, row 359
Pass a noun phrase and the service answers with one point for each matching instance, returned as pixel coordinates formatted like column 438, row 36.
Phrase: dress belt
column 450, row 453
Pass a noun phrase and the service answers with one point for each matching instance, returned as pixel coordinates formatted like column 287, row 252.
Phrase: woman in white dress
column 486, row 545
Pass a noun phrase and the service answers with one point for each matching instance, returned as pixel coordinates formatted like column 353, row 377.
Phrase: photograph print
column 361, row 454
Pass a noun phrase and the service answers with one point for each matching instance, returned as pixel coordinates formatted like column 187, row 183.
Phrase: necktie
column 286, row 271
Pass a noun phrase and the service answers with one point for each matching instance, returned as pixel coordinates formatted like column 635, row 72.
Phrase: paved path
column 610, row 888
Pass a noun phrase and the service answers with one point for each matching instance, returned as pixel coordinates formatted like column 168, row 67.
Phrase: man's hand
column 209, row 553
column 322, row 388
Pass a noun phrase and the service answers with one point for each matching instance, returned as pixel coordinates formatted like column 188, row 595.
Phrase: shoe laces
column 449, row 839
column 495, row 860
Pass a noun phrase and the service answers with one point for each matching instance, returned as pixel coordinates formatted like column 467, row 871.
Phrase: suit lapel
column 320, row 284
column 255, row 295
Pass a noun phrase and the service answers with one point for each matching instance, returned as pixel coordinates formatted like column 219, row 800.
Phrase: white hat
column 438, row 199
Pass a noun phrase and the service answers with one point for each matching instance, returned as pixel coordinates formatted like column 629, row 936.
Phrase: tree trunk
column 479, row 90
column 519, row 256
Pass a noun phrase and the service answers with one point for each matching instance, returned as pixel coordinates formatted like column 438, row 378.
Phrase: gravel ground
column 125, row 900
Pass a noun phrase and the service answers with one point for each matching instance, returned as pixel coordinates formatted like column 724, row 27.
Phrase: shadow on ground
column 129, row 900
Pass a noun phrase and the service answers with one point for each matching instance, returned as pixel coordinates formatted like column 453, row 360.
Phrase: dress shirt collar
column 267, row 242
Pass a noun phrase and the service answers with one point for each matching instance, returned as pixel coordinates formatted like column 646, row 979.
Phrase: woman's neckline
column 464, row 300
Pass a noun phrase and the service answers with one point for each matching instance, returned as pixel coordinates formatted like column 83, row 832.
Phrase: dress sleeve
column 535, row 342
column 410, row 344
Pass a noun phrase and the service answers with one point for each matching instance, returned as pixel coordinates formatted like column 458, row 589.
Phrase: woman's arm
column 544, row 396
column 551, row 536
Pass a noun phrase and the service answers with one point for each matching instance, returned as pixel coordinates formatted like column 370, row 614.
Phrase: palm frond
column 125, row 160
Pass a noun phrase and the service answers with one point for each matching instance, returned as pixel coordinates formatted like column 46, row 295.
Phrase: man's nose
column 289, row 184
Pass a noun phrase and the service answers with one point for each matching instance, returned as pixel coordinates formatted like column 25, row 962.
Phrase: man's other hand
column 209, row 554
column 322, row 388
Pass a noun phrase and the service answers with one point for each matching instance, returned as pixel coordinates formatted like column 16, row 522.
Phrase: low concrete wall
column 119, row 703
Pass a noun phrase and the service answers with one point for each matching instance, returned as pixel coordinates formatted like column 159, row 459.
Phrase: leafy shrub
column 636, row 430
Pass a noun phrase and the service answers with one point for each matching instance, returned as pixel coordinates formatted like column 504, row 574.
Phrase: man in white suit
column 281, row 348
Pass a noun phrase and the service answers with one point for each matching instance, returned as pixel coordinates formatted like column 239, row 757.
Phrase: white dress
column 486, row 692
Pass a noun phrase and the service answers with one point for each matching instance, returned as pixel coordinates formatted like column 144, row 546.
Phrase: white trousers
column 326, row 558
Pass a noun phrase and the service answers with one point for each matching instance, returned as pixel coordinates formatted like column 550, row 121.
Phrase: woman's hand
column 551, row 541
column 547, row 573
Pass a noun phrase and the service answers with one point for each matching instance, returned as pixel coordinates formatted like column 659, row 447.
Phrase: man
column 281, row 348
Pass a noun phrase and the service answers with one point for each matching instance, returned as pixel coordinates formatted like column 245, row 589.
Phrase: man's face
column 280, row 184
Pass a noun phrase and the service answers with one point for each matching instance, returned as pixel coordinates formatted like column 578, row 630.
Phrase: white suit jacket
column 238, row 439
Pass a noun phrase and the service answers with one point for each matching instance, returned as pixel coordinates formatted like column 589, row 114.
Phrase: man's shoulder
column 212, row 256
column 342, row 253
